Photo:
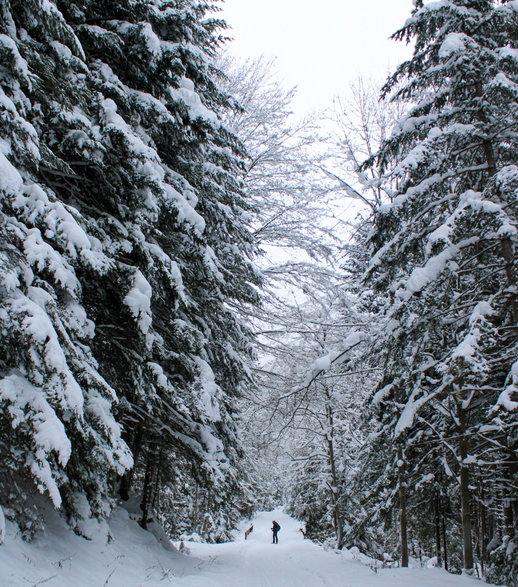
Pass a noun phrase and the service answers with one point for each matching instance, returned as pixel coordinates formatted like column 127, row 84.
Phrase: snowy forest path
column 134, row 558
column 256, row 562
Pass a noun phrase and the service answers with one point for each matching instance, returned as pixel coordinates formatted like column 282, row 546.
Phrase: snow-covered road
column 132, row 557
column 297, row 562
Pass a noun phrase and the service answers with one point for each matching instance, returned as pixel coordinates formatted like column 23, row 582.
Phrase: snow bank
column 120, row 555
column 296, row 562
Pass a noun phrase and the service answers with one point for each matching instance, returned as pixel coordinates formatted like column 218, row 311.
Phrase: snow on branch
column 324, row 363
column 422, row 276
column 138, row 301
column 29, row 411
column 506, row 399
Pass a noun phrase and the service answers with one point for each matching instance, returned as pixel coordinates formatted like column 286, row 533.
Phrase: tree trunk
column 155, row 506
column 438, row 530
column 444, row 542
column 465, row 498
column 402, row 510
column 127, row 479
column 507, row 244
column 481, row 537
column 487, row 145
column 196, row 508
column 337, row 514
column 147, row 490
column 511, row 493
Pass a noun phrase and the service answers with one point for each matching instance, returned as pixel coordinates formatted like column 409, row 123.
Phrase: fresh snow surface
column 296, row 562
column 134, row 557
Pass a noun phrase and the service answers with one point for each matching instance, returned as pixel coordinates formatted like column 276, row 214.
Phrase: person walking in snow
column 275, row 529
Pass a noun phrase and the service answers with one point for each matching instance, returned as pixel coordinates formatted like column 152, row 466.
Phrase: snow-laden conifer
column 443, row 253
column 172, row 208
column 133, row 218
column 58, row 427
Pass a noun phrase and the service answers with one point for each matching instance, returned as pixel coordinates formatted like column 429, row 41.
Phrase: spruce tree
column 177, row 353
column 58, row 427
column 141, row 239
column 443, row 253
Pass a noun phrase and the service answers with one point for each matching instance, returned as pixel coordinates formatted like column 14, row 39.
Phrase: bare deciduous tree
column 362, row 121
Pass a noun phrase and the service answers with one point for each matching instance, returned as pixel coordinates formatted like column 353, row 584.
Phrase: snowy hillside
column 134, row 557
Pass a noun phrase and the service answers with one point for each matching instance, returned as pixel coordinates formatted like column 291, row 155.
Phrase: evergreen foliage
column 125, row 244
column 443, row 252
column 135, row 193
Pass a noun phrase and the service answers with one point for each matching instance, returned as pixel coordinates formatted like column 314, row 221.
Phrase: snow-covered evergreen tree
column 138, row 227
column 444, row 254
column 58, row 427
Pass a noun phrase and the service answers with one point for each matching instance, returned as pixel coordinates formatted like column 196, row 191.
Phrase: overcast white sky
column 321, row 45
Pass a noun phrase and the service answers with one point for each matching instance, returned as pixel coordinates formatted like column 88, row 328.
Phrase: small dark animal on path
column 249, row 531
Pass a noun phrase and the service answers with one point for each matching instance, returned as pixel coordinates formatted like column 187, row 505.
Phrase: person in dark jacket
column 275, row 529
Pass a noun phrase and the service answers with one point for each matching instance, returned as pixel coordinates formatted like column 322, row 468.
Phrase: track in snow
column 296, row 562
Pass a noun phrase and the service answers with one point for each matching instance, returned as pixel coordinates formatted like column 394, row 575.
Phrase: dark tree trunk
column 465, row 497
column 512, row 495
column 507, row 244
column 438, row 530
column 444, row 540
column 148, row 488
column 483, row 533
column 127, row 479
column 337, row 514
column 196, row 509
column 402, row 510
